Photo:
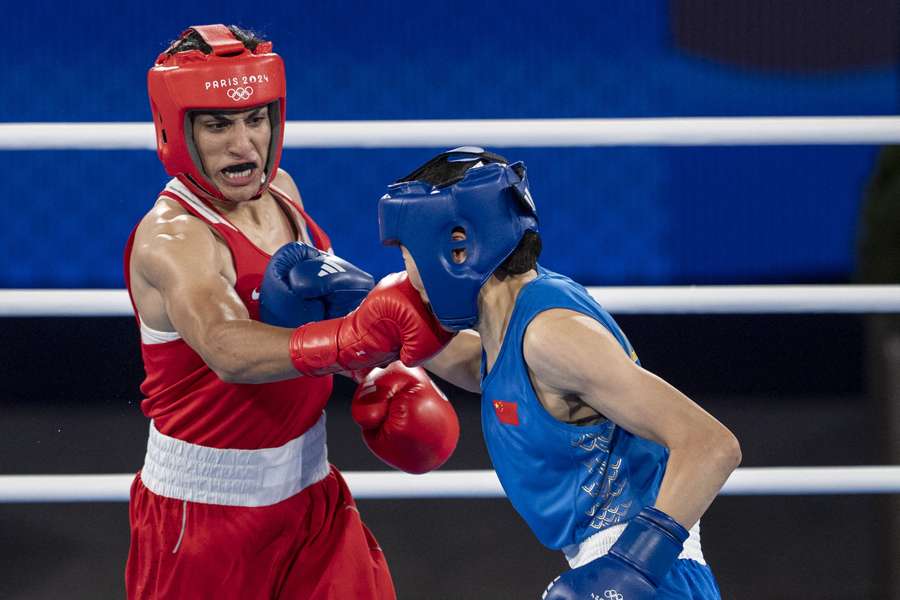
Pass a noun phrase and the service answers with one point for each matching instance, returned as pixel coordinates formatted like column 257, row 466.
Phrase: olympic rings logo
column 613, row 595
column 240, row 93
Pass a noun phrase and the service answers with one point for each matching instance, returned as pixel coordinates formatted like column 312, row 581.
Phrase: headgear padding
column 231, row 77
column 490, row 202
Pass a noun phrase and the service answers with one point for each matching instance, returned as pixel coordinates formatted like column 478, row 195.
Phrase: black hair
column 193, row 41
column 442, row 170
column 524, row 257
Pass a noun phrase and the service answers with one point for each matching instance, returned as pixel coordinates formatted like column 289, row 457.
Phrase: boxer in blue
column 604, row 460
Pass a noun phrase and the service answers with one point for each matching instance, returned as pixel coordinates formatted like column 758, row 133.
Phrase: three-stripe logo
column 330, row 268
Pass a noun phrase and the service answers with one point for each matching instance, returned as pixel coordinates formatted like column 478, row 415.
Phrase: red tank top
column 185, row 398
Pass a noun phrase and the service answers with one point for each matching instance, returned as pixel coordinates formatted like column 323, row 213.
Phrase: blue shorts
column 689, row 580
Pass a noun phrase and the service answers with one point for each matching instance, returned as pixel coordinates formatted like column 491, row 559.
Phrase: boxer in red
column 236, row 498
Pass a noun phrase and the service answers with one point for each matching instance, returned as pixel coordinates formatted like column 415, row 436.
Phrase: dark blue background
column 613, row 215
column 792, row 388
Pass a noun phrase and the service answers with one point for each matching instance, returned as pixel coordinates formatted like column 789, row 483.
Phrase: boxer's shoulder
column 549, row 331
column 570, row 352
column 285, row 184
column 168, row 234
column 556, row 328
column 166, row 212
column 168, row 221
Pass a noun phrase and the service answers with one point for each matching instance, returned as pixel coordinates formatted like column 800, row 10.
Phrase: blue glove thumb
column 302, row 284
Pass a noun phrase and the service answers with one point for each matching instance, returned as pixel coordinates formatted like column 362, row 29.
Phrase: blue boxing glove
column 633, row 568
column 303, row 284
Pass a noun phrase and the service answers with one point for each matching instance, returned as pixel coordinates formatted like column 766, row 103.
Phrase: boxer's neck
column 262, row 221
column 244, row 211
column 496, row 302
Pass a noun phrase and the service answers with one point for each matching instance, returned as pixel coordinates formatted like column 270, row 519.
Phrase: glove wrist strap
column 314, row 348
column 651, row 543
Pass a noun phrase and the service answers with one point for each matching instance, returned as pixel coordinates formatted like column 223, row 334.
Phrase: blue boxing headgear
column 490, row 202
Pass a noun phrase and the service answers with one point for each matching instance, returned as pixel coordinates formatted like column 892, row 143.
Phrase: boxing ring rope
column 385, row 485
column 675, row 131
column 701, row 131
column 484, row 484
column 714, row 299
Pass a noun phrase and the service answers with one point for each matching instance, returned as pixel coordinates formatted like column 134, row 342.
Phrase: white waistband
column 177, row 469
column 599, row 544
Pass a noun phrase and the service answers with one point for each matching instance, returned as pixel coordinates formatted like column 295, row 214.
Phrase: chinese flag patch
column 507, row 412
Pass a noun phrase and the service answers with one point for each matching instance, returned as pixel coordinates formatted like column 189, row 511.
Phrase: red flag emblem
column 507, row 412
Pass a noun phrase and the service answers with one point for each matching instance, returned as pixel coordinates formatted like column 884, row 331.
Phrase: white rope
column 381, row 485
column 744, row 299
column 750, row 299
column 65, row 303
column 675, row 131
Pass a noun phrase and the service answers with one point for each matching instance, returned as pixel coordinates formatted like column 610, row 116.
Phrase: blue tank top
column 567, row 481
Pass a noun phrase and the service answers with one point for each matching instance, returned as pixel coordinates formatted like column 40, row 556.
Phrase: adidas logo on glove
column 330, row 268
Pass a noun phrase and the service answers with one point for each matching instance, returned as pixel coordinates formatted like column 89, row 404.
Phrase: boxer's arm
column 181, row 260
column 575, row 355
column 459, row 362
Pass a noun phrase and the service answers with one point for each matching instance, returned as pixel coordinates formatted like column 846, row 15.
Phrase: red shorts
column 312, row 545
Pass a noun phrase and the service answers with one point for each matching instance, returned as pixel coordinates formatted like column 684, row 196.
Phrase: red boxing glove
column 392, row 322
column 406, row 420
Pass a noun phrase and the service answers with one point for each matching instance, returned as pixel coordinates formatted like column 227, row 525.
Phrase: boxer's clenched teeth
column 238, row 171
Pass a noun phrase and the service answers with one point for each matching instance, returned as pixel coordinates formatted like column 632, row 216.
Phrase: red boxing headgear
column 231, row 77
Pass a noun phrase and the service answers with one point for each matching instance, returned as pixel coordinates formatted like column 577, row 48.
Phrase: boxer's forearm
column 459, row 362
column 702, row 451
column 695, row 473
column 247, row 351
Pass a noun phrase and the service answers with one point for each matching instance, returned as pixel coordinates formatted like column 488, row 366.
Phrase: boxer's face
column 233, row 148
column 413, row 272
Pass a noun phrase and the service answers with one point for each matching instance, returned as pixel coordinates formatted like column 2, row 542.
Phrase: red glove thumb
column 369, row 407
column 406, row 420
